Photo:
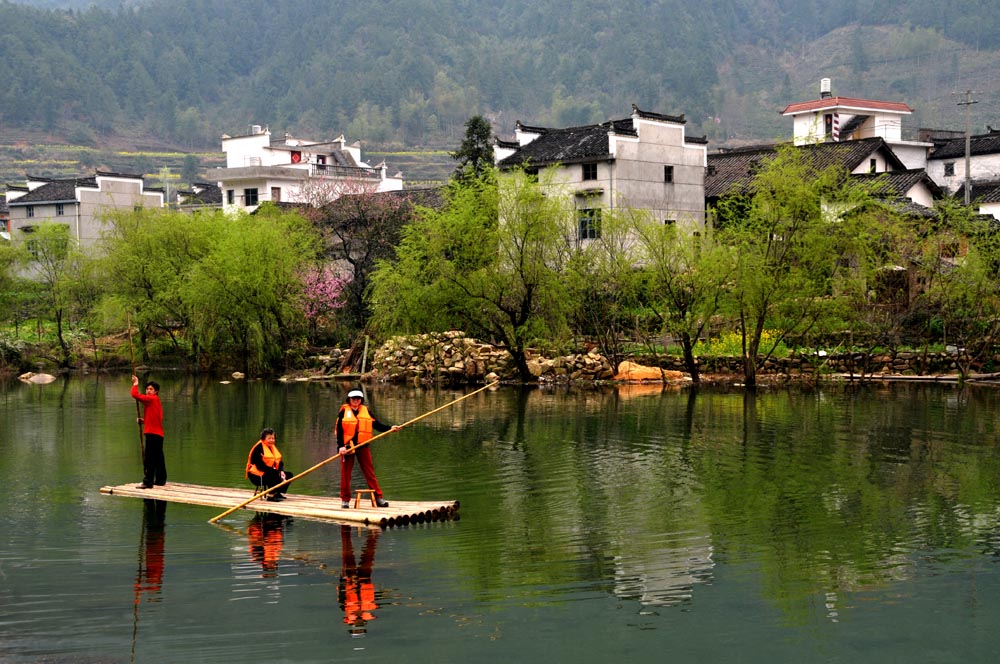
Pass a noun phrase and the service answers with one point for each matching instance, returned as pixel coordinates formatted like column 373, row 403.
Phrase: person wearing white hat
column 355, row 425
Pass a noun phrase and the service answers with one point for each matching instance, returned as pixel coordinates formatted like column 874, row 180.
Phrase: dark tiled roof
column 113, row 174
column 202, row 193
column 570, row 145
column 579, row 144
column 980, row 144
column 908, row 208
column 899, row 206
column 731, row 173
column 983, row 192
column 897, row 183
column 658, row 116
column 55, row 191
column 64, row 190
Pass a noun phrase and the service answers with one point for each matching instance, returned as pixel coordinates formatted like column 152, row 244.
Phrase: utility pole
column 969, row 101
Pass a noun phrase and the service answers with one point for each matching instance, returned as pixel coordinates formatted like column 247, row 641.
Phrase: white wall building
column 77, row 203
column 292, row 170
column 833, row 119
column 645, row 161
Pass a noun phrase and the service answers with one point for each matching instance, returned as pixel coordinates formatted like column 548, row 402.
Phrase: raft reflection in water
column 356, row 591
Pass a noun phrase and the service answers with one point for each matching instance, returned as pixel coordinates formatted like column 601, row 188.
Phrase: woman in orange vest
column 355, row 425
column 265, row 467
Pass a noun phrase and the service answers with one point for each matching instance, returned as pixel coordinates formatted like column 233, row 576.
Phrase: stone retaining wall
column 454, row 358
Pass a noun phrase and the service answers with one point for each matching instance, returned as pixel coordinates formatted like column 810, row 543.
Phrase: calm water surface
column 832, row 525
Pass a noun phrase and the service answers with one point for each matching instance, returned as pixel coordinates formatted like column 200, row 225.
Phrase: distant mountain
column 408, row 73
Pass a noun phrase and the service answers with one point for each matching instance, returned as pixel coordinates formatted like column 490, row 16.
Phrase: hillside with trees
column 407, row 74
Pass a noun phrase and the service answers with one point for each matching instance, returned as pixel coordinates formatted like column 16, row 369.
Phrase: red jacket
column 152, row 414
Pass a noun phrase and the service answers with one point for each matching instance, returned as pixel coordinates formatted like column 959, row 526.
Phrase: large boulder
column 37, row 379
column 631, row 372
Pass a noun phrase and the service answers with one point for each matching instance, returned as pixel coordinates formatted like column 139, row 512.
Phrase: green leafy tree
column 688, row 275
column 246, row 293
column 475, row 154
column 489, row 262
column 148, row 256
column 789, row 245
column 52, row 258
column 606, row 289
column 960, row 268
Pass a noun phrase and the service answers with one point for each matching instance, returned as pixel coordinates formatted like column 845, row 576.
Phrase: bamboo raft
column 324, row 508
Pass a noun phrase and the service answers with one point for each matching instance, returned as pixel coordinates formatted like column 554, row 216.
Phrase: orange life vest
column 271, row 457
column 362, row 423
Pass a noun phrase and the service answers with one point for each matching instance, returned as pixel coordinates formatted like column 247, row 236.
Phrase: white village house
column 836, row 119
column 290, row 170
column 645, row 161
column 77, row 203
column 946, row 165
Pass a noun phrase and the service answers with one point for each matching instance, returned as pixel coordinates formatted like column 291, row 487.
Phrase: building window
column 321, row 162
column 949, row 168
column 590, row 224
column 250, row 196
column 230, row 196
column 589, row 171
column 872, row 165
column 60, row 209
column 276, row 194
column 30, row 210
column 669, row 222
column 668, row 173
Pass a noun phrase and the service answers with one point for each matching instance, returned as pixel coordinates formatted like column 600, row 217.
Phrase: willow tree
column 960, row 272
column 246, row 292
column 790, row 245
column 148, row 256
column 688, row 273
column 488, row 262
column 53, row 258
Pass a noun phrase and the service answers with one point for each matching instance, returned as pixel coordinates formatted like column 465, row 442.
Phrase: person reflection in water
column 149, row 579
column 266, row 535
column 356, row 591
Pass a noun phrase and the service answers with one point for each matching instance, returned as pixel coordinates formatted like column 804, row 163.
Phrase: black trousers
column 154, row 466
column 271, row 478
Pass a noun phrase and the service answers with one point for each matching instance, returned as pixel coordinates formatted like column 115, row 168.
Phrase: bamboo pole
column 138, row 415
column 338, row 455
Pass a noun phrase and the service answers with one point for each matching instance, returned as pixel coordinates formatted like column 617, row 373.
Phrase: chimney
column 824, row 88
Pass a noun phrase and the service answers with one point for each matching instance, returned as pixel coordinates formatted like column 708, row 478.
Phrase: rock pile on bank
column 453, row 357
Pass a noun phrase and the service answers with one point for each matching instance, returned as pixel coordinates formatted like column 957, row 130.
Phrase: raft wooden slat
column 312, row 507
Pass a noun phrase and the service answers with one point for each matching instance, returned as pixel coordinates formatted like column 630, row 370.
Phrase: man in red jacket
column 154, row 466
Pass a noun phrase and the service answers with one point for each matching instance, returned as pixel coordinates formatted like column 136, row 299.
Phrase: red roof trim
column 846, row 102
